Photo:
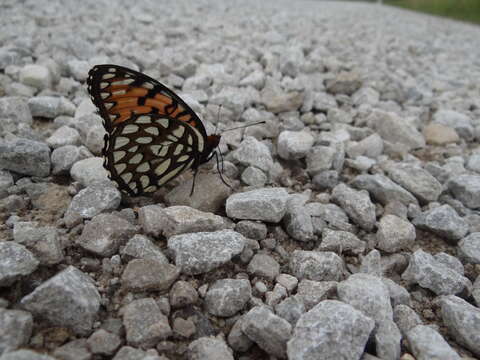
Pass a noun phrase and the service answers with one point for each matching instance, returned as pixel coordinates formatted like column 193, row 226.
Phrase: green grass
column 466, row 10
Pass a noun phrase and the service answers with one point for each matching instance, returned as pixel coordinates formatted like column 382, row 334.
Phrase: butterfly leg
column 220, row 171
column 193, row 182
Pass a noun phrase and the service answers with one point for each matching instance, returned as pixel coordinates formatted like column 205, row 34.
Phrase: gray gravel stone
column 297, row 220
column 321, row 158
column 291, row 309
column 209, row 348
column 473, row 162
column 387, row 340
column 96, row 198
column 16, row 328
column 396, row 129
column 73, row 350
column 68, row 299
column 426, row 343
column 443, row 221
column 252, row 152
column 198, row 253
column 42, row 241
column 398, row 294
column 36, row 75
column 89, row 170
column 226, row 297
column 406, row 318
column 104, row 343
column 395, row 234
column 466, row 188
column 345, row 83
column 15, row 261
column 25, row 156
column 265, row 266
column 237, row 339
column 327, row 179
column 340, row 242
column 331, row 330
column 254, row 176
column 268, row 204
column 6, row 180
column 331, row 214
column 144, row 324
column 371, row 146
column 383, row 189
column 64, row 135
column 64, row 157
column 416, row 180
column 317, row 265
column 425, row 271
column 141, row 247
column 462, row 321
column 369, row 294
column 15, row 114
column 450, row 261
column 182, row 294
column 269, row 331
column 251, row 229
column 105, row 233
column 294, row 144
column 50, row 107
column 454, row 119
column 476, row 291
column 357, row 205
column 469, row 248
column 146, row 274
column 312, row 292
column 25, row 355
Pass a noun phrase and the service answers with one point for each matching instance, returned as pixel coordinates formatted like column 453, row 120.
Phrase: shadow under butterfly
column 153, row 136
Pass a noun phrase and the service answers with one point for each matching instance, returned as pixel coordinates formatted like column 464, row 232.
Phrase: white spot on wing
column 104, row 95
column 123, row 82
column 118, row 155
column 144, row 119
column 163, row 122
column 103, row 85
column 119, row 92
column 183, row 158
column 160, row 169
column 136, row 159
column 108, row 106
column 130, row 129
column 151, row 188
column 120, row 168
column 112, row 70
column 147, row 85
column 144, row 140
column 190, row 140
column 121, row 141
column 133, row 148
column 144, row 180
column 171, row 175
column 178, row 149
column 152, row 130
column 178, row 132
column 108, row 76
column 127, row 177
column 143, row 167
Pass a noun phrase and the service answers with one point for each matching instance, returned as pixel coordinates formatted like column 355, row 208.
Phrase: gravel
column 350, row 229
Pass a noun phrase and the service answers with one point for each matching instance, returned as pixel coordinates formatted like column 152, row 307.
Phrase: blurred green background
column 466, row 10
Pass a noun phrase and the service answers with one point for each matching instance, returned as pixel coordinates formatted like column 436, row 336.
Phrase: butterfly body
column 152, row 134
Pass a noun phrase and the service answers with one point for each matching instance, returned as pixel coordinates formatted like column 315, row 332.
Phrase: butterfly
column 153, row 136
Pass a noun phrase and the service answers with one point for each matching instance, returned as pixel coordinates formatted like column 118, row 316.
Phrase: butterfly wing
column 119, row 93
column 146, row 151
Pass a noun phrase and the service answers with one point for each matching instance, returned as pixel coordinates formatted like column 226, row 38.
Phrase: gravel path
column 352, row 232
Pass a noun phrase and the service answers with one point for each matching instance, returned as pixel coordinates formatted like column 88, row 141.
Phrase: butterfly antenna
column 244, row 126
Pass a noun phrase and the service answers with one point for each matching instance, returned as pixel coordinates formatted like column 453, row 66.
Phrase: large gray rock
column 252, row 152
column 426, row 344
column 88, row 171
column 357, row 205
column 198, row 253
column 317, row 265
column 416, row 180
column 466, row 188
column 294, row 144
column 454, row 119
column 331, row 330
column 462, row 321
column 209, row 348
column 14, row 114
column 469, row 248
column 383, row 189
column 50, row 107
column 368, row 294
column 269, row 331
column 25, row 156
column 227, row 296
column 443, row 221
column 147, row 274
column 144, row 323
column 268, row 204
column 15, row 261
column 16, row 328
column 68, row 299
column 429, row 273
column 395, row 234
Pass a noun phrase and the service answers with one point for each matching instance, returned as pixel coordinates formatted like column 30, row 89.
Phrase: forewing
column 146, row 151
column 120, row 93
